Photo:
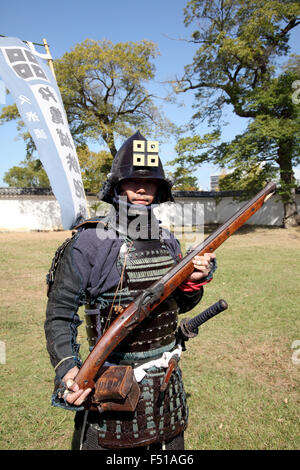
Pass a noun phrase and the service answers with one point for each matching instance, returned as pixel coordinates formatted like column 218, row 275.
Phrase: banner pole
column 50, row 61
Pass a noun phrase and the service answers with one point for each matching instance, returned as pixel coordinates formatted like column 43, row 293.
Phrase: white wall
column 213, row 211
column 25, row 213
column 30, row 213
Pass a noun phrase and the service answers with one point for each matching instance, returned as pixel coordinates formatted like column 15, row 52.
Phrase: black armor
column 158, row 416
column 106, row 274
column 143, row 263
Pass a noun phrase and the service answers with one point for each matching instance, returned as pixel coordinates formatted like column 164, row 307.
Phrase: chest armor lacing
column 140, row 264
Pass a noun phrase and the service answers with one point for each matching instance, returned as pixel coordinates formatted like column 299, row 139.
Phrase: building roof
column 26, row 192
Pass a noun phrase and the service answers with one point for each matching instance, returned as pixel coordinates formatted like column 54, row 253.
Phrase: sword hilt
column 189, row 327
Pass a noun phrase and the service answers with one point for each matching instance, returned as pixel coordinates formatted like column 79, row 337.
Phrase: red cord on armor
column 190, row 286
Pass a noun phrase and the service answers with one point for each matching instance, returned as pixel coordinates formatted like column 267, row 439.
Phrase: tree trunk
column 291, row 217
column 108, row 137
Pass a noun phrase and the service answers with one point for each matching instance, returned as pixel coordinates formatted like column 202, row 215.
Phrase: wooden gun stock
column 160, row 290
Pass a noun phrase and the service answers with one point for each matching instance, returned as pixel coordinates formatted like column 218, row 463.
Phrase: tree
column 94, row 168
column 30, row 173
column 293, row 63
column 182, row 180
column 103, row 88
column 239, row 41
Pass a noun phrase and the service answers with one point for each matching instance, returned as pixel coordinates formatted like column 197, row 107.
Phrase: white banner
column 31, row 83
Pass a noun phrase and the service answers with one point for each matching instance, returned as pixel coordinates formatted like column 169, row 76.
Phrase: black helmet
column 137, row 158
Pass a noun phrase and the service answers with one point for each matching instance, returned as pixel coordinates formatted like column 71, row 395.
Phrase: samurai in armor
column 107, row 263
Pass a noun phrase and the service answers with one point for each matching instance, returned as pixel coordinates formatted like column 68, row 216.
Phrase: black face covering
column 136, row 221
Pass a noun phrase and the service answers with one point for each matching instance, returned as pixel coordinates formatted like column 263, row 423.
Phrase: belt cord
column 119, row 287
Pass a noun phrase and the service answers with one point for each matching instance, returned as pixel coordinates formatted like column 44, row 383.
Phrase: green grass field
column 241, row 382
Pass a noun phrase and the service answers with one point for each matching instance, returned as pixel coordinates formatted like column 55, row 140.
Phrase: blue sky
column 65, row 23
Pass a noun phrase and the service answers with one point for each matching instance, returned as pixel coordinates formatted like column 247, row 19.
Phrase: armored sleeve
column 62, row 318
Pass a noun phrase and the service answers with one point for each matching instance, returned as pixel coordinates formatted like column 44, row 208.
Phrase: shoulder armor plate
column 89, row 223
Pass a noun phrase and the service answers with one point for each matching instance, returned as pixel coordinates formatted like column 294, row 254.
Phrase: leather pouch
column 116, row 390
